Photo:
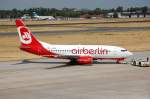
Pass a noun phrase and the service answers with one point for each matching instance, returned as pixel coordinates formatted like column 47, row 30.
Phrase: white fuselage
column 44, row 17
column 95, row 51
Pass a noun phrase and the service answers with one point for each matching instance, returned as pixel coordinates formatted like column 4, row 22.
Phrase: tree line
column 67, row 12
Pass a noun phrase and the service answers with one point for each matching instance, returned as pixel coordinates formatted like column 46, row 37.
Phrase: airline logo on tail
column 24, row 35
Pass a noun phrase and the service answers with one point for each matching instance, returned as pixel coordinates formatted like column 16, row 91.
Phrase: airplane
column 37, row 17
column 25, row 16
column 77, row 54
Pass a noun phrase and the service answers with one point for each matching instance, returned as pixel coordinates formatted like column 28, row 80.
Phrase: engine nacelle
column 85, row 60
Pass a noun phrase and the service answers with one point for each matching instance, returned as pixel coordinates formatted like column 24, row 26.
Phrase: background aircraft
column 37, row 17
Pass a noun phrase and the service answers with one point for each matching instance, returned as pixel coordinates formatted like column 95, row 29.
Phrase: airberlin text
column 100, row 51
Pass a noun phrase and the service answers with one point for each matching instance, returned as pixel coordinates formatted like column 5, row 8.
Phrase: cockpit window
column 124, row 50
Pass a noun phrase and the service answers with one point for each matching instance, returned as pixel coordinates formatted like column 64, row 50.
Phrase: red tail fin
column 26, row 37
column 28, row 42
column 19, row 23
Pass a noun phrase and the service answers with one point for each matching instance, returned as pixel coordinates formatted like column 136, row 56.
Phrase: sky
column 89, row 4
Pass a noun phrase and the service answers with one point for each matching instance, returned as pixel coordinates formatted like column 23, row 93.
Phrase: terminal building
column 129, row 14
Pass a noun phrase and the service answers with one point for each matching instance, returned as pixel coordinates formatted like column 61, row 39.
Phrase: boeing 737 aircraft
column 79, row 54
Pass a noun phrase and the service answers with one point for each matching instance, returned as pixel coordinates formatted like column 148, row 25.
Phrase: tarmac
column 52, row 79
